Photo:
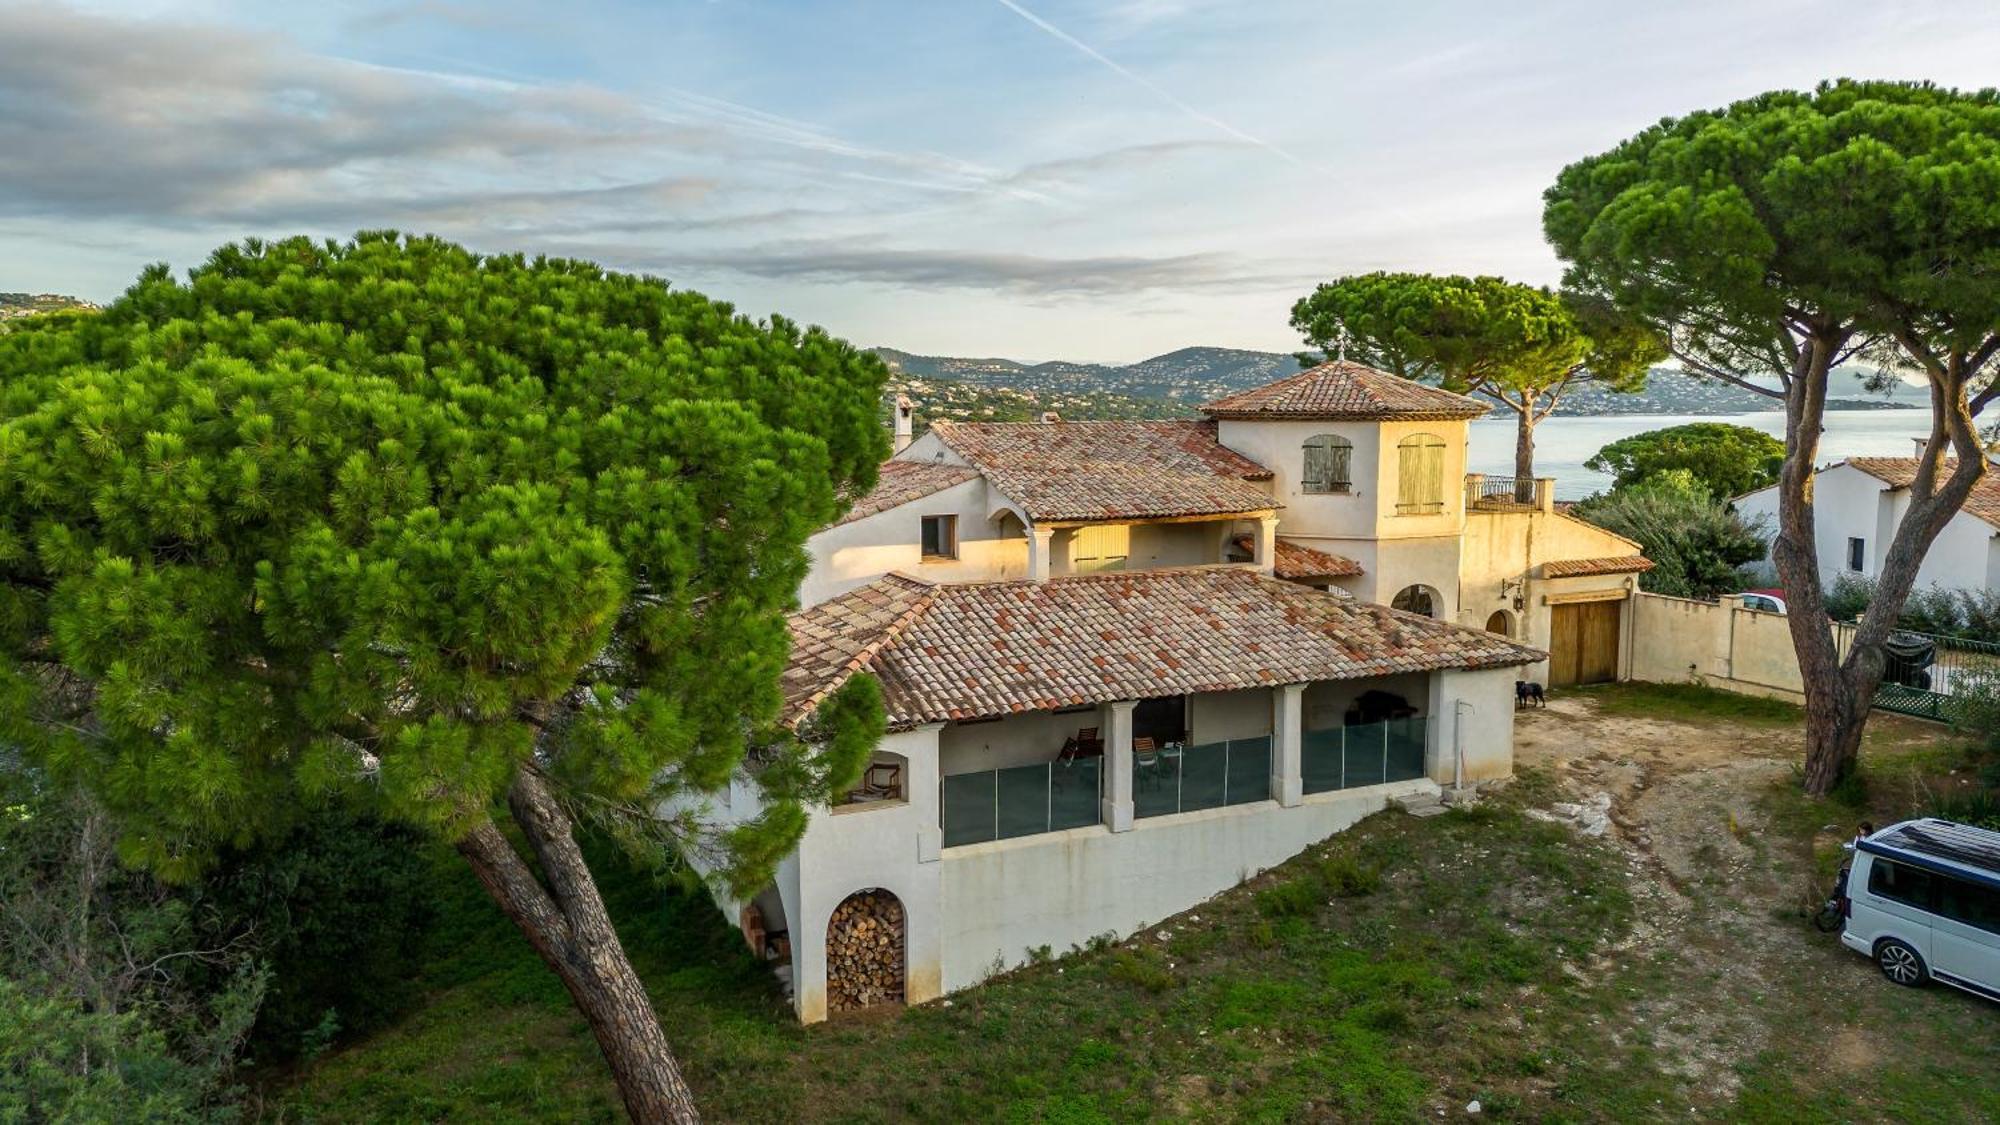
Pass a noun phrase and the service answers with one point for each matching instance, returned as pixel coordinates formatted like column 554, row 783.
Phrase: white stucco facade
column 981, row 907
column 1850, row 503
column 986, row 904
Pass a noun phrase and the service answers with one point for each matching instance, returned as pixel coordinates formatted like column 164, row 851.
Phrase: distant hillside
column 28, row 304
column 1172, row 385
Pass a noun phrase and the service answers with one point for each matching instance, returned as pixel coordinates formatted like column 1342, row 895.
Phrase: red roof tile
column 899, row 482
column 1584, row 568
column 1111, row 470
column 1345, row 390
column 986, row 649
column 1901, row 472
column 1296, row 560
column 835, row 639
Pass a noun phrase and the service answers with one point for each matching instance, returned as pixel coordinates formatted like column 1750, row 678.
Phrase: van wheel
column 1901, row 964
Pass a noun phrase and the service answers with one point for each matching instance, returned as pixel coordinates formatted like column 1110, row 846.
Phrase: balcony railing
column 1369, row 754
column 1020, row 801
column 1182, row 779
column 1505, row 494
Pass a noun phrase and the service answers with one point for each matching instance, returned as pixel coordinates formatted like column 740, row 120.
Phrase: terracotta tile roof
column 1296, row 560
column 1111, row 470
column 1901, row 472
column 899, row 482
column 1584, row 568
column 986, row 649
column 1345, row 390
column 835, row 639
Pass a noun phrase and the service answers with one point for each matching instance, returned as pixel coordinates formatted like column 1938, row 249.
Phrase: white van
column 1923, row 899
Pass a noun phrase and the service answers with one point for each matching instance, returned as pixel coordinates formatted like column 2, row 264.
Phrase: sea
column 1563, row 444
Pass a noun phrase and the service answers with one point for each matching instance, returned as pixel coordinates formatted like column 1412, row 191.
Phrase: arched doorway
column 1501, row 622
column 864, row 951
column 1416, row 599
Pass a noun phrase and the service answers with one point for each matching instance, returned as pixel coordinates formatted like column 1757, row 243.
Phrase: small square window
column 1857, row 555
column 940, row 537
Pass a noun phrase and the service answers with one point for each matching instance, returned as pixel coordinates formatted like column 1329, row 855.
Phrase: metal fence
column 1499, row 492
column 1932, row 676
column 1020, row 801
column 1368, row 754
column 1182, row 779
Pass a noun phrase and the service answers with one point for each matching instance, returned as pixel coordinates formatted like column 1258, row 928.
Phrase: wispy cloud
column 1148, row 84
column 1028, row 275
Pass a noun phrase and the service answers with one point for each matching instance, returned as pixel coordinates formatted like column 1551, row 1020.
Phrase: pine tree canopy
column 390, row 520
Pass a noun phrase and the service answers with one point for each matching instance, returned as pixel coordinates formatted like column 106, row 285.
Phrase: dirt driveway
column 1721, row 971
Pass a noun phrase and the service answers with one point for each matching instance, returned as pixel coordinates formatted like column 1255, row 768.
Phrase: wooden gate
column 1583, row 642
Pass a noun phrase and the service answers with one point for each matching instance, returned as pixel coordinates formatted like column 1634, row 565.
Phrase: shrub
column 1967, row 615
column 1696, row 542
column 1289, row 899
column 1348, row 877
column 60, row 1063
column 1142, row 967
column 337, row 909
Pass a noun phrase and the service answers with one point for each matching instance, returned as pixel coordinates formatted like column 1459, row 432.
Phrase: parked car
column 1769, row 601
column 1923, row 900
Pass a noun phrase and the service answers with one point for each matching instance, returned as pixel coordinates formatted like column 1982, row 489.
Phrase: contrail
column 1148, row 84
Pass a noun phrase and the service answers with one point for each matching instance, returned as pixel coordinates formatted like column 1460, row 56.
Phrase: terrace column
column 1267, row 544
column 1288, row 785
column 1039, row 545
column 1115, row 808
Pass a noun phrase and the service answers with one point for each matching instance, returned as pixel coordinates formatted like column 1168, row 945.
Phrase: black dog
column 1528, row 693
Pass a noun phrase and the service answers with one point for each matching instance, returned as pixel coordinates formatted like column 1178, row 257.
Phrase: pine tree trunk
column 1524, row 455
column 567, row 924
column 1838, row 693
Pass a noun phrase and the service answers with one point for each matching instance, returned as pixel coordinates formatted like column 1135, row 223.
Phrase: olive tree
column 1521, row 346
column 492, row 545
column 1773, row 239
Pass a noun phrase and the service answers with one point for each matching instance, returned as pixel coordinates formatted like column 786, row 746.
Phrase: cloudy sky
column 1083, row 179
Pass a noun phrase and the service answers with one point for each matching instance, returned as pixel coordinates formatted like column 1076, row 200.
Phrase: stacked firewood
column 864, row 952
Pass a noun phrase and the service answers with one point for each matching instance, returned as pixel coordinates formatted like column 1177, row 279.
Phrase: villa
column 1127, row 665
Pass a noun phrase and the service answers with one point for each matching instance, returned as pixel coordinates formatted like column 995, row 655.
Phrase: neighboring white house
column 1857, row 505
column 1126, row 664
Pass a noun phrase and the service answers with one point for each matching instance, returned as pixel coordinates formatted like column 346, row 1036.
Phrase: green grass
column 1687, row 701
column 1350, row 999
column 1405, row 967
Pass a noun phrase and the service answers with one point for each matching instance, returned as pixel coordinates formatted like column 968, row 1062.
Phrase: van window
column 1900, row 883
column 1969, row 903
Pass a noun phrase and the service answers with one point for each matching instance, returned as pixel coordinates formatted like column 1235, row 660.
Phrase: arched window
column 1328, row 461
column 1500, row 623
column 1415, row 599
column 1419, row 475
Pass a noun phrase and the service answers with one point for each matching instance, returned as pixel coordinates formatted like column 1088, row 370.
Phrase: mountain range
column 1175, row 383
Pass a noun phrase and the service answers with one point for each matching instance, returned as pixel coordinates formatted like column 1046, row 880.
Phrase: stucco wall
column 1016, row 740
column 1279, row 447
column 1472, row 712
column 1154, row 545
column 1676, row 640
column 1368, row 509
column 1326, row 702
column 893, row 847
column 1003, row 899
column 1850, row 503
column 851, row 554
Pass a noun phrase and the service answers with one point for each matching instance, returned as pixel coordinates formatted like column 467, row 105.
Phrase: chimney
column 905, row 410
column 1920, row 444
column 1050, row 417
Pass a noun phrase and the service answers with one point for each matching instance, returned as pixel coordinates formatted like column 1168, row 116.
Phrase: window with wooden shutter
column 1328, row 460
column 1101, row 546
column 1420, row 475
